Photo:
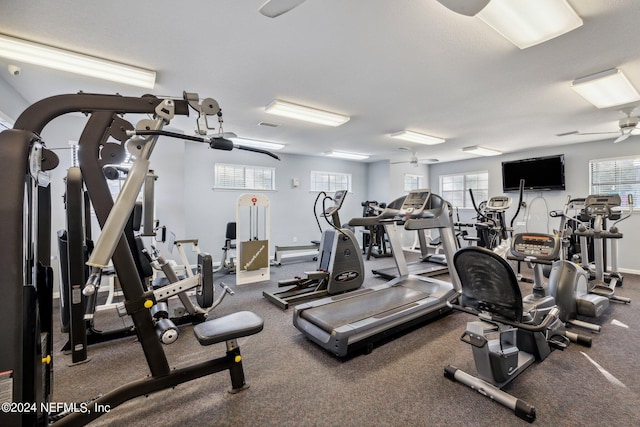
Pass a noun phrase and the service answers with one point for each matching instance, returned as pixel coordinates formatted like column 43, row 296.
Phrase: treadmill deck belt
column 350, row 310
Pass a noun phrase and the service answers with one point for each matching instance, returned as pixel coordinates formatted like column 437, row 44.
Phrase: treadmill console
column 338, row 199
column 498, row 204
column 415, row 202
column 544, row 247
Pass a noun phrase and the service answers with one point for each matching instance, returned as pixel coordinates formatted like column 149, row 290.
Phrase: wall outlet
column 295, row 239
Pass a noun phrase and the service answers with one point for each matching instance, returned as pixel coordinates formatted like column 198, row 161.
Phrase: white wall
column 379, row 181
column 11, row 102
column 207, row 211
column 577, row 158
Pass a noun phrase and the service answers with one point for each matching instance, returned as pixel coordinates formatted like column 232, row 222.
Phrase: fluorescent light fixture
column 256, row 143
column 59, row 59
column 481, row 151
column 344, row 155
column 528, row 23
column 606, row 88
column 420, row 138
column 301, row 112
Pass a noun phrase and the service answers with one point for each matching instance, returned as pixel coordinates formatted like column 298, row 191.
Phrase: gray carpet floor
column 293, row 382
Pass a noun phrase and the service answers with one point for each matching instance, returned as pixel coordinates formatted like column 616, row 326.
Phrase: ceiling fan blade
column 595, row 133
column 464, row 7
column 275, row 8
column 622, row 138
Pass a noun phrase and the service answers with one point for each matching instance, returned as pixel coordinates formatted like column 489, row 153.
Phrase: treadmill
column 343, row 323
column 428, row 264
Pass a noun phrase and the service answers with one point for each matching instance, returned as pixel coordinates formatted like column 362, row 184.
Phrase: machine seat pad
column 229, row 327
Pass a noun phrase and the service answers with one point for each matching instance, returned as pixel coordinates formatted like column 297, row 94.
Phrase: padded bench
column 229, row 327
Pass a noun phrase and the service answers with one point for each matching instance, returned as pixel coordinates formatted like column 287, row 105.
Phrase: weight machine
column 253, row 227
column 26, row 359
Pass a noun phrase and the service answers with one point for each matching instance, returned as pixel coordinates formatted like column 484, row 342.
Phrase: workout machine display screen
column 338, row 198
column 415, row 201
column 499, row 203
column 540, row 246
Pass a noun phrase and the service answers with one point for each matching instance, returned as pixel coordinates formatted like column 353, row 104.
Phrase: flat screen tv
column 539, row 173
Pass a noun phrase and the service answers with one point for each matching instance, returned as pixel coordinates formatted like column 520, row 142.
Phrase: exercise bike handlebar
column 475, row 206
column 551, row 316
column 520, row 194
column 630, row 204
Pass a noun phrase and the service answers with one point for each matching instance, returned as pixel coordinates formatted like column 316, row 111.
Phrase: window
column 455, row 188
column 4, row 125
column 413, row 182
column 5, row 122
column 75, row 162
column 242, row 177
column 616, row 176
column 330, row 181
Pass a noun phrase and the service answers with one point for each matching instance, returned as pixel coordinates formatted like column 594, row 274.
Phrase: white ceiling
column 389, row 64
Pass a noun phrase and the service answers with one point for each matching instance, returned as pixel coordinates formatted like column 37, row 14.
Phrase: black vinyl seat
column 230, row 236
column 488, row 283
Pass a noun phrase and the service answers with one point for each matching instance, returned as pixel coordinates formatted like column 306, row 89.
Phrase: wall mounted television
column 539, row 173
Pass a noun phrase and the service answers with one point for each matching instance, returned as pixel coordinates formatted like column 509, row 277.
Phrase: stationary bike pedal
column 557, row 342
column 603, row 290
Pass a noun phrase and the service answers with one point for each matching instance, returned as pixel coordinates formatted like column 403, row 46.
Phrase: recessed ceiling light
column 345, row 155
column 606, row 88
column 308, row 114
column 481, row 151
column 420, row 138
column 72, row 62
column 528, row 23
column 256, row 143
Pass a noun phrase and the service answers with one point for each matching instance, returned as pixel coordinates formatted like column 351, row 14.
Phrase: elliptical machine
column 492, row 230
column 599, row 208
column 339, row 266
column 567, row 285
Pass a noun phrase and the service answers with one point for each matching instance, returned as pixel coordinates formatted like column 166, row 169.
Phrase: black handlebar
column 216, row 142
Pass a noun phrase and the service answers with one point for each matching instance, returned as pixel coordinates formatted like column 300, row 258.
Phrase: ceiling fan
column 275, row 8
column 628, row 126
column 415, row 161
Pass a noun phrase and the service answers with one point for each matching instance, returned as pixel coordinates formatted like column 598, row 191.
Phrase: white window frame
column 480, row 193
column 619, row 183
column 245, row 183
column 334, row 181
column 5, row 122
column 413, row 181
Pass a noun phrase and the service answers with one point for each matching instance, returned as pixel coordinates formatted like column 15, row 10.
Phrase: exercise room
column 320, row 213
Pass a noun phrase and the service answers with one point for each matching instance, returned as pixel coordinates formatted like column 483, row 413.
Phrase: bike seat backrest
column 488, row 283
column 231, row 231
column 137, row 216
